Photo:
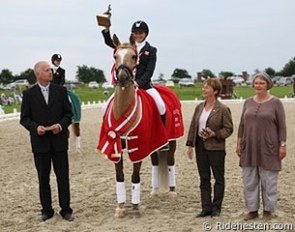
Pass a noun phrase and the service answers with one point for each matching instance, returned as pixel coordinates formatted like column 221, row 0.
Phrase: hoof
column 120, row 212
column 172, row 194
column 155, row 192
column 135, row 213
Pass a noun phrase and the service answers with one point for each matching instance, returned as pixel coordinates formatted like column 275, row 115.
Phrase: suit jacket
column 35, row 112
column 219, row 120
column 146, row 63
column 59, row 76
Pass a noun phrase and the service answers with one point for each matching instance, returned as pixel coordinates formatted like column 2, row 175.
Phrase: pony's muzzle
column 124, row 76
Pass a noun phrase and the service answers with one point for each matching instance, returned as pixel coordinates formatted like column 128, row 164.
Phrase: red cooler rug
column 140, row 128
column 174, row 119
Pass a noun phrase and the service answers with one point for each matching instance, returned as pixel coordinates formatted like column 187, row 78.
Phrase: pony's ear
column 116, row 40
column 132, row 40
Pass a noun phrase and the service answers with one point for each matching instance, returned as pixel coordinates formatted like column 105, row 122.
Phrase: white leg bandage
column 135, row 193
column 171, row 176
column 121, row 192
column 78, row 142
column 155, row 177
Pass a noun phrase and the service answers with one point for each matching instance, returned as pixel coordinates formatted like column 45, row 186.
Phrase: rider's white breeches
column 158, row 99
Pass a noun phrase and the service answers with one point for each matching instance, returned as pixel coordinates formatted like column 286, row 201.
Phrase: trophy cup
column 104, row 19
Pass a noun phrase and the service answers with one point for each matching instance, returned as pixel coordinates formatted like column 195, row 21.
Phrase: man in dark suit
column 58, row 72
column 46, row 113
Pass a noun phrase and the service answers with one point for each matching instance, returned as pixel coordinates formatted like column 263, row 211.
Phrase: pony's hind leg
column 171, row 169
column 120, row 211
column 135, row 200
column 76, row 130
column 155, row 174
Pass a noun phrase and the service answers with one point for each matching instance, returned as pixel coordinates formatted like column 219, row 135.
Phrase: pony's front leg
column 120, row 190
column 135, row 200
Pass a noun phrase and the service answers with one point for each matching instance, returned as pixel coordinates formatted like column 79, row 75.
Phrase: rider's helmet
column 140, row 26
column 56, row 57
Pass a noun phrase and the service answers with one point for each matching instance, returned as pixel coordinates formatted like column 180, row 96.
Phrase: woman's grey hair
column 264, row 76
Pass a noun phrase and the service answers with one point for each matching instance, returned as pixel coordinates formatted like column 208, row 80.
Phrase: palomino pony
column 132, row 123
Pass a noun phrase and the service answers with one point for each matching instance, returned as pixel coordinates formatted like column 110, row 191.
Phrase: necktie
column 45, row 94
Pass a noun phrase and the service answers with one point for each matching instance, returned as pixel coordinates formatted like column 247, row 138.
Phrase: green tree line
column 86, row 74
column 83, row 74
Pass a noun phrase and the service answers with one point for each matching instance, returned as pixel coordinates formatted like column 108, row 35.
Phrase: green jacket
column 76, row 106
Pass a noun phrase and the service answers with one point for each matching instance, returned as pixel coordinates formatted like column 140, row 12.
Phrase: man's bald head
column 43, row 72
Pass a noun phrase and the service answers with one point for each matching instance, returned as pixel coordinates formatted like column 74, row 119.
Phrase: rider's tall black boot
column 166, row 147
column 163, row 117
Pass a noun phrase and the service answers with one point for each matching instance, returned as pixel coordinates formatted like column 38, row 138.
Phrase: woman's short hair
column 215, row 84
column 264, row 76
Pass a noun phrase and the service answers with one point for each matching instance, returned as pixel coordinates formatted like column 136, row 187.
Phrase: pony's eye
column 115, row 57
column 134, row 57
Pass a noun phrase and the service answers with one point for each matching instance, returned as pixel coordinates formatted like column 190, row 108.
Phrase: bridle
column 124, row 75
column 129, row 74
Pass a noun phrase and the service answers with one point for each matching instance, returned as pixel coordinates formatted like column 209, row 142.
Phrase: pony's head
column 125, row 56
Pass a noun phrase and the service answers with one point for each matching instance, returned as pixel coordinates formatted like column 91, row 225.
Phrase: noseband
column 124, row 76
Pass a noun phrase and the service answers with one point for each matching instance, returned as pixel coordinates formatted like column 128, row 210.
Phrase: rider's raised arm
column 107, row 37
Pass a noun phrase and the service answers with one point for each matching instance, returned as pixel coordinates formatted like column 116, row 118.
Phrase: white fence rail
column 90, row 105
column 15, row 115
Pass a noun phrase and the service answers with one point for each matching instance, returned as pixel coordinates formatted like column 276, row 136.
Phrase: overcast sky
column 220, row 35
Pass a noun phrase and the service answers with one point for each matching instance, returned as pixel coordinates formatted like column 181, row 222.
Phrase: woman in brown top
column 261, row 146
column 210, row 126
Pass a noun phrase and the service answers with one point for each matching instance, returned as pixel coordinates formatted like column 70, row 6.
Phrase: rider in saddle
column 147, row 57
